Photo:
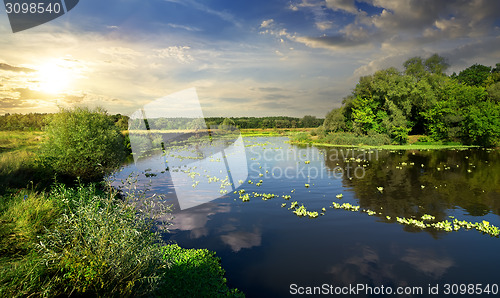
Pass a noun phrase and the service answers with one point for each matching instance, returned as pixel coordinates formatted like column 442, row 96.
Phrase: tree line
column 423, row 100
column 37, row 121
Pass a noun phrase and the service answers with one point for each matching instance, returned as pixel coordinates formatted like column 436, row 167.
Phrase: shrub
column 83, row 143
column 99, row 246
column 194, row 273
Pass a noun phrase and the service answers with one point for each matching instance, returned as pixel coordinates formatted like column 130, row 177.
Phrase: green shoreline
column 390, row 147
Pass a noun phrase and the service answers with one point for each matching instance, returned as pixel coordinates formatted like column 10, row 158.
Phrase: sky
column 244, row 58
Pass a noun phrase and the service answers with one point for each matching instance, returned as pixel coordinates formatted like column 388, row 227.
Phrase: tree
column 334, row 120
column 83, row 142
column 481, row 122
column 310, row 121
column 415, row 67
column 436, row 64
column 494, row 92
column 475, row 75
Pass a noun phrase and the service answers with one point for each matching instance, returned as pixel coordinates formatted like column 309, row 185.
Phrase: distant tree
column 285, row 123
column 228, row 122
column 310, row 121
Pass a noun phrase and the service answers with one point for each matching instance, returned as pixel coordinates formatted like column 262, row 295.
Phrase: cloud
column 428, row 262
column 184, row 27
column 202, row 7
column 177, row 52
column 7, row 67
column 238, row 240
column 266, row 23
column 342, row 5
column 330, row 42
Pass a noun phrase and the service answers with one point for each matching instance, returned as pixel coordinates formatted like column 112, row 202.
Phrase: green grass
column 376, row 141
column 85, row 241
column 19, row 140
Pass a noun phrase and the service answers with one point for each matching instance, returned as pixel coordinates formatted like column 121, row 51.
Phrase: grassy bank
column 378, row 141
column 85, row 239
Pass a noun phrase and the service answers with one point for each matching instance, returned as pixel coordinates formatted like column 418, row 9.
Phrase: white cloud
column 342, row 5
column 266, row 23
column 177, row 52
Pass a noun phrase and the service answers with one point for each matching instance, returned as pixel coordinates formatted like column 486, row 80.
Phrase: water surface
column 265, row 248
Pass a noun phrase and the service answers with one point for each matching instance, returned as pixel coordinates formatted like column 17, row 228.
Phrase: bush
column 194, row 273
column 83, row 143
column 85, row 242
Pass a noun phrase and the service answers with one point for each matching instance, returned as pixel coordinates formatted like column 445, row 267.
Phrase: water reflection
column 427, row 262
column 242, row 239
column 433, row 182
column 264, row 247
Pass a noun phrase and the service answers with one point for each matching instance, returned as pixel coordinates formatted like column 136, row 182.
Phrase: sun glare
column 54, row 78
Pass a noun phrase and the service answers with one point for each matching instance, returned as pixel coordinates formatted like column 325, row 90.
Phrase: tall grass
column 88, row 241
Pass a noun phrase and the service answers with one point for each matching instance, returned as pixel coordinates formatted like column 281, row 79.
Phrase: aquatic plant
column 427, row 217
column 312, row 214
column 339, row 196
column 301, row 211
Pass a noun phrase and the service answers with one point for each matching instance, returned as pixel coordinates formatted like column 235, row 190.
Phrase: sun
column 54, row 77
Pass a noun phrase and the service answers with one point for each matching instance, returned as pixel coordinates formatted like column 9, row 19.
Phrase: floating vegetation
column 283, row 205
column 301, row 211
column 245, row 198
column 428, row 217
column 286, row 197
column 339, row 196
column 306, row 185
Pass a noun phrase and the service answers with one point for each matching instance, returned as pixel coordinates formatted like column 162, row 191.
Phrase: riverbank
column 61, row 239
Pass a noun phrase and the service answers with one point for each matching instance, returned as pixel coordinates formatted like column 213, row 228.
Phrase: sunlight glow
column 54, row 77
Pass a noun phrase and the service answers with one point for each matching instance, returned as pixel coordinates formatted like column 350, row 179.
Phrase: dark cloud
column 7, row 67
column 9, row 103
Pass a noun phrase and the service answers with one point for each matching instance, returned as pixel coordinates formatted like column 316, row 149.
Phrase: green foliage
column 26, row 122
column 482, row 124
column 84, row 241
column 84, row 143
column 494, row 92
column 193, row 273
column 475, row 75
column 335, row 121
column 310, row 121
column 423, row 100
column 100, row 245
column 346, row 138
